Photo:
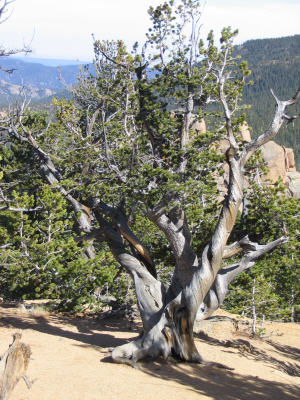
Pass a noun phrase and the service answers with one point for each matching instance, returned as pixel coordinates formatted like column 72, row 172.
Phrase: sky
column 64, row 28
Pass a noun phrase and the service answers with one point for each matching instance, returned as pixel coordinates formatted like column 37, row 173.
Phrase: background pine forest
column 275, row 64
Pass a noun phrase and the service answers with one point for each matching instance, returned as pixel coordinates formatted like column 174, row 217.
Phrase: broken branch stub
column 13, row 366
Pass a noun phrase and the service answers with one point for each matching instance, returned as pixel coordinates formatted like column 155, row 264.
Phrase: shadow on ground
column 220, row 384
column 249, row 351
column 287, row 351
column 86, row 327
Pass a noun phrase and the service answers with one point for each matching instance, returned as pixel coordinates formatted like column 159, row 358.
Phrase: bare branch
column 7, row 208
column 250, row 257
column 242, row 245
column 3, row 10
column 217, row 293
column 276, row 123
column 295, row 98
column 4, row 246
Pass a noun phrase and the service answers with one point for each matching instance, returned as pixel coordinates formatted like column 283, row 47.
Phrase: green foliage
column 43, row 260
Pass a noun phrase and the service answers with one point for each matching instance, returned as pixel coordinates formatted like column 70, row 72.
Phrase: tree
column 127, row 157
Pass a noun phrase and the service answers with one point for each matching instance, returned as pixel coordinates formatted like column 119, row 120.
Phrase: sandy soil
column 70, row 361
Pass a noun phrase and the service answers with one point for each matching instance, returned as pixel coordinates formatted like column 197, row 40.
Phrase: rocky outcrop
column 274, row 157
column 279, row 160
column 245, row 132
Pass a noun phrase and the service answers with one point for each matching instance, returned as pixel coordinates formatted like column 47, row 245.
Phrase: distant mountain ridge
column 50, row 62
column 37, row 75
column 39, row 81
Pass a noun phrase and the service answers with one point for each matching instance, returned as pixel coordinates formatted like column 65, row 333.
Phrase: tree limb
column 277, row 121
column 119, row 220
column 216, row 295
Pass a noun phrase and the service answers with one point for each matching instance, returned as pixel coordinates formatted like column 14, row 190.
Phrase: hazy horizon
column 63, row 29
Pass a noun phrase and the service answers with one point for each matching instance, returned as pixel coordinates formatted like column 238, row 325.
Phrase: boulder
column 274, row 156
column 245, row 132
column 293, row 184
column 290, row 159
column 199, row 126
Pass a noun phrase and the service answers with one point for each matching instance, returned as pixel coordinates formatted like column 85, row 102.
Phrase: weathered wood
column 13, row 365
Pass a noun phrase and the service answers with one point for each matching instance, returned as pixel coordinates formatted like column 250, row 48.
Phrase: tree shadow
column 249, row 351
column 217, row 383
column 206, row 380
column 287, row 367
column 86, row 329
column 288, row 351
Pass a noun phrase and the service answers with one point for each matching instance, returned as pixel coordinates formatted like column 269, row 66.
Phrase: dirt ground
column 70, row 360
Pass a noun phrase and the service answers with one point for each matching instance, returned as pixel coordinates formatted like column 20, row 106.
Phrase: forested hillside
column 40, row 82
column 37, row 75
column 275, row 64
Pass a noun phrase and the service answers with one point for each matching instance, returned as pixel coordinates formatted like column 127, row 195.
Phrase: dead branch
column 13, row 366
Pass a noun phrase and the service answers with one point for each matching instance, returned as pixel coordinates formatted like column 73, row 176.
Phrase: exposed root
column 124, row 360
column 129, row 353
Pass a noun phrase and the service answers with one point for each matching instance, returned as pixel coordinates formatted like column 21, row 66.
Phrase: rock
column 290, row 159
column 199, row 126
column 245, row 132
column 293, row 180
column 274, row 156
